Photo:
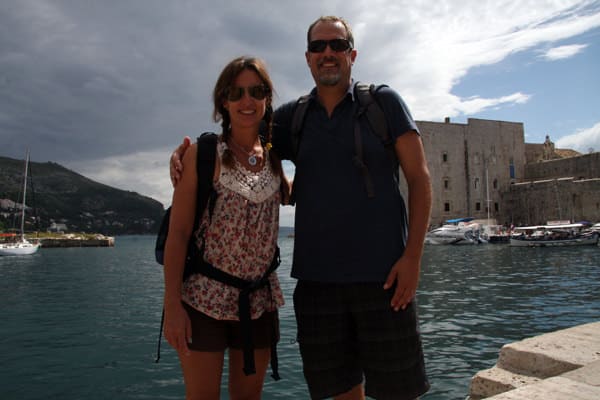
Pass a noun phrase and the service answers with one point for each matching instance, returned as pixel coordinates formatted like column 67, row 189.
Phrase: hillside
column 62, row 196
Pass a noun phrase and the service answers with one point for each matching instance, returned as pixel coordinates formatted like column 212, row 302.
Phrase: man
column 357, row 275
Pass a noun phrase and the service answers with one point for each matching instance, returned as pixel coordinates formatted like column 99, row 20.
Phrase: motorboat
column 554, row 235
column 455, row 231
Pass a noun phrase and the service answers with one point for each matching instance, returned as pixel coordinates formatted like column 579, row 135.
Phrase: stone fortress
column 485, row 169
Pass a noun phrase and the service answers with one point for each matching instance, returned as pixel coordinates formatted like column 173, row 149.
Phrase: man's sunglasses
column 258, row 92
column 337, row 45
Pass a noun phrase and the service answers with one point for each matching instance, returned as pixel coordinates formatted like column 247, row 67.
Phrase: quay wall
column 559, row 365
column 70, row 242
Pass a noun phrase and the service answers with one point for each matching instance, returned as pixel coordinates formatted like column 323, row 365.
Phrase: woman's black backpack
column 205, row 169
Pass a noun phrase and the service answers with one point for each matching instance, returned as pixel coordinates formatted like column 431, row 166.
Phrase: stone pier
column 559, row 365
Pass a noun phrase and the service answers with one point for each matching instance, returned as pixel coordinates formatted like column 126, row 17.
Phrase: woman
column 239, row 238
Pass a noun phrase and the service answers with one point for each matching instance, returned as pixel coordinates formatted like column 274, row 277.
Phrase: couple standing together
column 356, row 268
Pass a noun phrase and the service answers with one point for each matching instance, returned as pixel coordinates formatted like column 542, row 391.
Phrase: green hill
column 57, row 194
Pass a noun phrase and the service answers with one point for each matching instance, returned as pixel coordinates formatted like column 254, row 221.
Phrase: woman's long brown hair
column 220, row 113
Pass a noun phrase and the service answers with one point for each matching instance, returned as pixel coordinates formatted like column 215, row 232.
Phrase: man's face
column 330, row 68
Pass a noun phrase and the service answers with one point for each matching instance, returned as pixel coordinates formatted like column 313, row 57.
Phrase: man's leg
column 327, row 345
column 356, row 393
column 390, row 345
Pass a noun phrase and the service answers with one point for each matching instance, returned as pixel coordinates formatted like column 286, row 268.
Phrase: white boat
column 554, row 235
column 21, row 246
column 495, row 234
column 455, row 231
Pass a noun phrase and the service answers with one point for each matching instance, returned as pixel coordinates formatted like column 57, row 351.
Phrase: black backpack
column 205, row 169
column 194, row 261
column 368, row 106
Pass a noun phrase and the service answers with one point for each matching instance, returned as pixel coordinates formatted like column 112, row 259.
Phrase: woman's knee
column 247, row 387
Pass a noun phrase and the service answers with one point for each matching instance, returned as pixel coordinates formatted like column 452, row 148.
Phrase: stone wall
column 536, row 202
column 583, row 167
column 472, row 165
column 485, row 166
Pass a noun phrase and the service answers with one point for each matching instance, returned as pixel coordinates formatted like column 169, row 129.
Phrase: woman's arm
column 183, row 211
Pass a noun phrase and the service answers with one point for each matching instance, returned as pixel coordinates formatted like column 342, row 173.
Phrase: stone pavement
column 559, row 365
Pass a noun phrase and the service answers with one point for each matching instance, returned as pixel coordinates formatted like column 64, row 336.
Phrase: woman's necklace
column 252, row 160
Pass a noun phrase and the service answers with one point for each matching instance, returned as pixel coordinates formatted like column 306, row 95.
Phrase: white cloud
column 109, row 91
column 583, row 140
column 562, row 52
column 446, row 43
column 144, row 172
column 147, row 172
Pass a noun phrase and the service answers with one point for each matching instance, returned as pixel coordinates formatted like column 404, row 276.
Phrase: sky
column 109, row 88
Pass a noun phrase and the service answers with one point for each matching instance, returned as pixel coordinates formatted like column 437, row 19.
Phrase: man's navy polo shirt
column 342, row 235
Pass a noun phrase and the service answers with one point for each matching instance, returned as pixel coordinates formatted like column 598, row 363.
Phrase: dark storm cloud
column 86, row 80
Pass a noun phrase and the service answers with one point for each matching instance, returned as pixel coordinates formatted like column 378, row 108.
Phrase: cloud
column 147, row 172
column 562, row 52
column 437, row 48
column 584, row 140
column 110, row 90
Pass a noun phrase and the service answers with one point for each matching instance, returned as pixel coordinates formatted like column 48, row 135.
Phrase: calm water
column 83, row 323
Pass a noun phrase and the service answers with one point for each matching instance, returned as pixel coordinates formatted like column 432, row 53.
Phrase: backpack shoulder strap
column 297, row 122
column 367, row 105
column 205, row 170
column 367, row 98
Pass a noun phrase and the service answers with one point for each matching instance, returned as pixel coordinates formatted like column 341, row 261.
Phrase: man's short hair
column 332, row 19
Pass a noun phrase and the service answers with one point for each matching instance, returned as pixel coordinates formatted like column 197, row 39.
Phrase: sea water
column 82, row 323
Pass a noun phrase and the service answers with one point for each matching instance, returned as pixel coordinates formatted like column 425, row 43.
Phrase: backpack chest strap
column 246, row 288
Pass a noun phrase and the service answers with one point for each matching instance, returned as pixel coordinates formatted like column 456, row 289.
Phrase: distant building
column 54, row 227
column 485, row 169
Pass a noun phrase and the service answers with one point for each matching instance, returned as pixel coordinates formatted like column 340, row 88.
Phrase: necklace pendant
column 252, row 160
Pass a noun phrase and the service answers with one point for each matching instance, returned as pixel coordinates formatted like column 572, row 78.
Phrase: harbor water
column 82, row 323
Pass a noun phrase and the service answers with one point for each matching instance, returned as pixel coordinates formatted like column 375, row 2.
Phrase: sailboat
column 21, row 246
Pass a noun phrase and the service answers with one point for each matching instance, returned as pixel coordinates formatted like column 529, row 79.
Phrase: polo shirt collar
column 350, row 91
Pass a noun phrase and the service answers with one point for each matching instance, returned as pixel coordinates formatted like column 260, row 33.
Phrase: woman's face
column 246, row 101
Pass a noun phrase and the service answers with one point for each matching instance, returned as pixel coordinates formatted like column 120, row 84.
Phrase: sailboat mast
column 24, row 195
column 487, row 189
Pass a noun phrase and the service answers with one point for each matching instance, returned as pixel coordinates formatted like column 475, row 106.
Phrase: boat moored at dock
column 554, row 235
column 455, row 231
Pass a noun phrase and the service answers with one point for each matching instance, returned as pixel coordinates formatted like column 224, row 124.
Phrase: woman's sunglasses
column 337, row 45
column 258, row 92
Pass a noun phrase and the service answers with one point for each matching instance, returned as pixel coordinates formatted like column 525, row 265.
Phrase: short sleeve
column 396, row 111
column 282, row 122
